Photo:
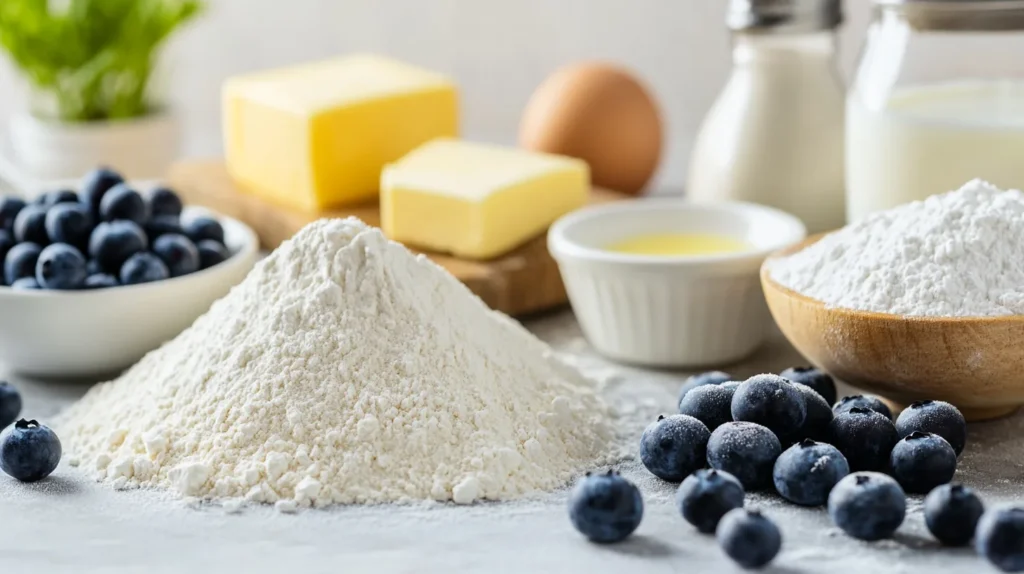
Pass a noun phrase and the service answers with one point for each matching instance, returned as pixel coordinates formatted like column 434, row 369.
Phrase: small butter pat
column 477, row 201
column 317, row 135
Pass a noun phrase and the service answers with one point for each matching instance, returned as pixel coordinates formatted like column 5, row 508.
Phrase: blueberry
column 749, row 538
column 100, row 281
column 706, row 495
column 6, row 243
column 806, row 472
column 922, row 461
column 814, row 378
column 710, row 404
column 93, row 267
column 673, row 447
column 162, row 225
column 863, row 401
column 867, row 505
column 746, row 451
column 26, row 284
column 1000, row 538
column 21, row 262
column 95, row 186
column 122, row 202
column 178, row 253
column 111, row 244
column 701, row 379
column 204, row 227
column 164, row 201
column 29, row 451
column 865, row 438
column 936, row 417
column 770, row 401
column 30, row 225
column 951, row 512
column 143, row 267
column 819, row 415
column 10, row 404
column 69, row 223
column 51, row 198
column 10, row 207
column 61, row 266
column 605, row 507
column 211, row 253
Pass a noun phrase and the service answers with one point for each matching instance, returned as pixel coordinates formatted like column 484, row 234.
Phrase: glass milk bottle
column 937, row 100
column 775, row 134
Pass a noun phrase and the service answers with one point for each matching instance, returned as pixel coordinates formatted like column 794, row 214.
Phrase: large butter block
column 477, row 201
column 317, row 135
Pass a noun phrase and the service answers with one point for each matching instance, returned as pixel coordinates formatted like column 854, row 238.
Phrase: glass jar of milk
column 937, row 100
column 775, row 134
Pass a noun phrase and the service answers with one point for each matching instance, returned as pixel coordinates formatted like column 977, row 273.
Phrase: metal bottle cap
column 784, row 16
column 960, row 15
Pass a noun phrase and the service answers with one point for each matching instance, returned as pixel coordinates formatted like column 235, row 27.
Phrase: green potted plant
column 89, row 66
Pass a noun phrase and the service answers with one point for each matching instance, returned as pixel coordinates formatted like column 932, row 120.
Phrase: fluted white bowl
column 670, row 311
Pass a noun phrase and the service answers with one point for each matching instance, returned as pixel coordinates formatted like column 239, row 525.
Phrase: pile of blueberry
column 105, row 235
column 778, row 432
column 29, row 451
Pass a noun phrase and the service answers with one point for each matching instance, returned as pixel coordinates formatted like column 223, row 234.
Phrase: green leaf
column 92, row 59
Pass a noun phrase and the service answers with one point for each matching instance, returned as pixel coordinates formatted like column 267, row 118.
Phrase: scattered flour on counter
column 957, row 254
column 342, row 370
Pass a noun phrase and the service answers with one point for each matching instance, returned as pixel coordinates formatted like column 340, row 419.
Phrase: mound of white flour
column 959, row 254
column 344, row 369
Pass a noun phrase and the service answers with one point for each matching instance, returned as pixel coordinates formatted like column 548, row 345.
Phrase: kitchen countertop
column 69, row 523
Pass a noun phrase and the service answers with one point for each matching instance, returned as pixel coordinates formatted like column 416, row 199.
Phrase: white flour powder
column 344, row 370
column 957, row 254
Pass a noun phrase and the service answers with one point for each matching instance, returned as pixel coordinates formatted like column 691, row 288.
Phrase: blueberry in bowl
column 61, row 267
column 143, row 267
column 93, row 296
column 113, row 243
column 178, row 253
column 123, row 203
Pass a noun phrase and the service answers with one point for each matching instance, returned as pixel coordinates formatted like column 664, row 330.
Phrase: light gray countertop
column 69, row 523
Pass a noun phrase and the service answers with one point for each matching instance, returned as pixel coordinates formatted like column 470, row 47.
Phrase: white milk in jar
column 775, row 134
column 937, row 100
column 931, row 139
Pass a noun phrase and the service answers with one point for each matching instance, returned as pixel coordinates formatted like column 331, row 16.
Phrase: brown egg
column 602, row 115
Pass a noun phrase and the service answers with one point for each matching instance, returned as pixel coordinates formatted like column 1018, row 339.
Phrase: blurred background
column 498, row 51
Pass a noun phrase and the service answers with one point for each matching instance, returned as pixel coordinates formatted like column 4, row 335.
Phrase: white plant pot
column 140, row 148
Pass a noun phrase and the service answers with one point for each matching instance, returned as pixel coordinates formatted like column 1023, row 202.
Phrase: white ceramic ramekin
column 680, row 311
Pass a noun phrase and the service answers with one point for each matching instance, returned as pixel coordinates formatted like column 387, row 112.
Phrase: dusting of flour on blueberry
column 344, row 369
column 959, row 254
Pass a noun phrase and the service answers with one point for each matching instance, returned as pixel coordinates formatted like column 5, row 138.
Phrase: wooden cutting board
column 518, row 283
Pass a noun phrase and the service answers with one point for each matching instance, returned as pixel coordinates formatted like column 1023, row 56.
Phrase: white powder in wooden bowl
column 959, row 254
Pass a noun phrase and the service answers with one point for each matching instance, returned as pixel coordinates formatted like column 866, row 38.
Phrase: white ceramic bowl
column 95, row 333
column 680, row 311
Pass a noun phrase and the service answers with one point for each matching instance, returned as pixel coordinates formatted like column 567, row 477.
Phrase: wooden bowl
column 975, row 363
